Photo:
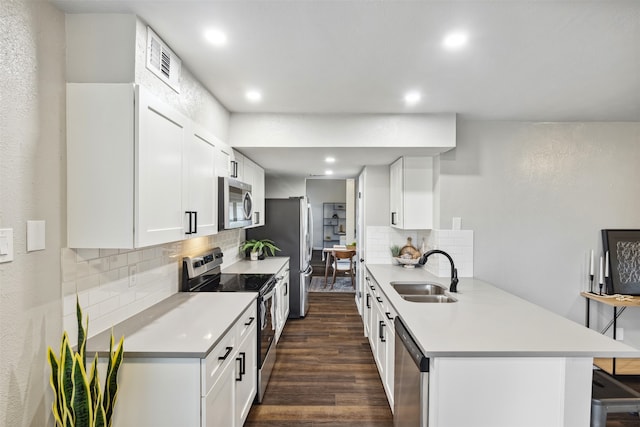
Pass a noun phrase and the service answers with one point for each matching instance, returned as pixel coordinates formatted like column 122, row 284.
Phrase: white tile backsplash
column 100, row 278
column 458, row 244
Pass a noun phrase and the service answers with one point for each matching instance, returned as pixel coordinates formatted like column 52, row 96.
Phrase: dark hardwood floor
column 325, row 374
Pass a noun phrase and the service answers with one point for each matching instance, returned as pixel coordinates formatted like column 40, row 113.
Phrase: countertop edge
column 129, row 326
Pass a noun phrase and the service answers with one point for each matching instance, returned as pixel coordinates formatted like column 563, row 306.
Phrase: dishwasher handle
column 402, row 334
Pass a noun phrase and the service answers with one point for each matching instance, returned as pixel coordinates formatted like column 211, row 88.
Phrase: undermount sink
column 418, row 288
column 429, row 298
column 422, row 292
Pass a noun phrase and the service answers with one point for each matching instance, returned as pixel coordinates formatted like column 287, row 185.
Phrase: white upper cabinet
column 158, row 184
column 253, row 174
column 224, row 165
column 237, row 166
column 201, row 204
column 124, row 167
column 411, row 193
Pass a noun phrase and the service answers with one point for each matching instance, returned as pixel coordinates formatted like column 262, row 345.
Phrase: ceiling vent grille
column 162, row 62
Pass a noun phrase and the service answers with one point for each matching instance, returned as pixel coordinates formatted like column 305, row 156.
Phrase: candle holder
column 591, row 284
column 600, row 286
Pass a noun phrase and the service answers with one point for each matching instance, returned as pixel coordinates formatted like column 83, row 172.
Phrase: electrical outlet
column 133, row 275
column 620, row 334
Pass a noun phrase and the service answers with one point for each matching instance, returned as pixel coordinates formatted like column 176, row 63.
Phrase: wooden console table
column 619, row 303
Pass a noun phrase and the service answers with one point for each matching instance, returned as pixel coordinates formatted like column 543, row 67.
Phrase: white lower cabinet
column 216, row 391
column 379, row 327
column 218, row 403
column 282, row 300
column 246, row 378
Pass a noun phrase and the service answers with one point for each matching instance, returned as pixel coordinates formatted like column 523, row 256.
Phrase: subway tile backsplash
column 457, row 243
column 113, row 284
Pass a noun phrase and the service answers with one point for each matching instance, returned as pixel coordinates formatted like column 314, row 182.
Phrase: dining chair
column 343, row 263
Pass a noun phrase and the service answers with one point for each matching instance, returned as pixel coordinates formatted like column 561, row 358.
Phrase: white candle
column 606, row 265
column 601, row 271
column 591, row 264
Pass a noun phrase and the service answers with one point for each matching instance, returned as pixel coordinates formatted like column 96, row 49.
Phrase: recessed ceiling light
column 412, row 98
column 254, row 96
column 328, row 172
column 455, row 40
column 215, row 37
column 330, row 160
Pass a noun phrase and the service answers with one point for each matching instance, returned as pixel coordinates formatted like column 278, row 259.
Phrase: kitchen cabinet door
column 124, row 167
column 237, row 166
column 396, row 193
column 162, row 133
column 258, row 192
column 285, row 295
column 218, row 407
column 411, row 193
column 246, row 376
column 201, row 205
column 282, row 300
column 223, row 160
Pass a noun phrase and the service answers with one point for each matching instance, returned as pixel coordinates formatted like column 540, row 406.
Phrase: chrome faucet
column 454, row 271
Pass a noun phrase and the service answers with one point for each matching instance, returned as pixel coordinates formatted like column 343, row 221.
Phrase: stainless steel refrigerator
column 289, row 223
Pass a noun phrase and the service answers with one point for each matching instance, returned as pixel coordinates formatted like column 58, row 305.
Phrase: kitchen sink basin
column 422, row 292
column 429, row 298
column 418, row 288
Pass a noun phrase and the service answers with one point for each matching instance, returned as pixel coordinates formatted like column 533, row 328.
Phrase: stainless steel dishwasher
column 411, row 388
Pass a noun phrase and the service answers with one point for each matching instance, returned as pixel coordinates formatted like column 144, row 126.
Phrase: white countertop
column 183, row 325
column 269, row 265
column 489, row 322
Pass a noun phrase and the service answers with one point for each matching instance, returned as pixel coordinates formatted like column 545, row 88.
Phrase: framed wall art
column 624, row 261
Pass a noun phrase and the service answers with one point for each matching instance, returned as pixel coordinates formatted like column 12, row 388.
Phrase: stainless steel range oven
column 202, row 274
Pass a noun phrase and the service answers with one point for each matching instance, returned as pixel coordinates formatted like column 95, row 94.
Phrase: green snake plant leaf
column 82, row 332
column 81, row 401
column 111, row 381
column 65, row 379
column 94, row 384
column 56, row 409
column 99, row 416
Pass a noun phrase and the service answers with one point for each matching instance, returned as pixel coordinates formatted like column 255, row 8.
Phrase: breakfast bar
column 497, row 355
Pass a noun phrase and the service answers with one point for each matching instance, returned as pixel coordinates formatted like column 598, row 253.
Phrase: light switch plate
column 6, row 244
column 35, row 236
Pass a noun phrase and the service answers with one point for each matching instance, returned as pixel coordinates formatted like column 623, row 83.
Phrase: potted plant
column 259, row 248
column 78, row 399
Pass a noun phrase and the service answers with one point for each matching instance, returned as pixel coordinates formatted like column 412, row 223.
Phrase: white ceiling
column 539, row 60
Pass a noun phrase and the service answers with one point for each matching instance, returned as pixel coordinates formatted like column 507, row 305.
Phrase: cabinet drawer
column 220, row 356
column 247, row 321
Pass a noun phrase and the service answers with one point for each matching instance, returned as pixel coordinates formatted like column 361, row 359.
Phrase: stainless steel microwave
column 235, row 205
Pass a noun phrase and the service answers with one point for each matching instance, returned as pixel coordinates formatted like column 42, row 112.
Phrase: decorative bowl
column 406, row 262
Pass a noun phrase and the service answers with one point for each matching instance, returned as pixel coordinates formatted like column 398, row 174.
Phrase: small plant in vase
column 259, row 248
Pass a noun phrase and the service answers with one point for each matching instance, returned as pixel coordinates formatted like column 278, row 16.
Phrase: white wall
column 31, row 181
column 537, row 196
column 322, row 191
column 283, row 187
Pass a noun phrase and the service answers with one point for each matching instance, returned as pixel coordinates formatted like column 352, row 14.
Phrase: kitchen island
column 496, row 359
